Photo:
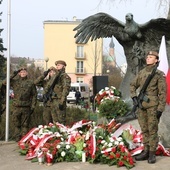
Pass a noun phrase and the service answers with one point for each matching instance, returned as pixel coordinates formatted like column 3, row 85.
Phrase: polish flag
column 163, row 66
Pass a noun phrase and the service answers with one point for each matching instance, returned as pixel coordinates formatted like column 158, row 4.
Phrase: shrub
column 113, row 108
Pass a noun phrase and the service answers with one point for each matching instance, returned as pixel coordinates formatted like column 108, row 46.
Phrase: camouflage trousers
column 47, row 116
column 57, row 114
column 149, row 126
column 21, row 120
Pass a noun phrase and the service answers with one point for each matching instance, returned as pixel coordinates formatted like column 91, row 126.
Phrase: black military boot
column 152, row 157
column 144, row 155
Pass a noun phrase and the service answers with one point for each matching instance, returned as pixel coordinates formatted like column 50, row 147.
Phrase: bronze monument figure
column 136, row 39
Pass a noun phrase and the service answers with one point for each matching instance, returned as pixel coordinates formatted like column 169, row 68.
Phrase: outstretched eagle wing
column 153, row 30
column 100, row 25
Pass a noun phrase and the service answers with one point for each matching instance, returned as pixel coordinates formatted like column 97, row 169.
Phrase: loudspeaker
column 99, row 82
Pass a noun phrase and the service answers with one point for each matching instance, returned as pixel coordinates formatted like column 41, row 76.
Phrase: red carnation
column 125, row 157
column 117, row 155
column 131, row 162
column 114, row 149
column 111, row 156
column 106, row 153
column 122, row 149
column 120, row 163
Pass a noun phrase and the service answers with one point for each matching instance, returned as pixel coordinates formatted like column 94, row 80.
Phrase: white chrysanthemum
column 110, row 144
column 103, row 141
column 111, row 139
column 119, row 139
column 45, row 127
column 121, row 143
column 84, row 145
column 80, row 132
column 63, row 153
column 106, row 88
column 62, row 139
column 67, row 146
column 116, row 142
column 57, row 134
column 40, row 126
column 58, row 146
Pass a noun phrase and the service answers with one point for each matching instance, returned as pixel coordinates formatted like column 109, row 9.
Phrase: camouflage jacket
column 156, row 90
column 62, row 87
column 25, row 94
column 42, row 82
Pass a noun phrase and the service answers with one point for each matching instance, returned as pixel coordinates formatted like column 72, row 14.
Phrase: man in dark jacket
column 77, row 96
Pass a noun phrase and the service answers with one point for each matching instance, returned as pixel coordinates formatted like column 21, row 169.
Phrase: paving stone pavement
column 11, row 160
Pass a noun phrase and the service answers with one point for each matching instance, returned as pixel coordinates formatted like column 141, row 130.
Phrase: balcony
column 80, row 71
column 80, row 57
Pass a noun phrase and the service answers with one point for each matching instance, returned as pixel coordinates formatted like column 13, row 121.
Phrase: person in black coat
column 77, row 96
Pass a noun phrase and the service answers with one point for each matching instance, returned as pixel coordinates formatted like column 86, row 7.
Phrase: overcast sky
column 27, row 16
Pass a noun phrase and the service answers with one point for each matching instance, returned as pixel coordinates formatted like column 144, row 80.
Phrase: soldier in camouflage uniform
column 43, row 81
column 60, row 92
column 153, row 106
column 25, row 96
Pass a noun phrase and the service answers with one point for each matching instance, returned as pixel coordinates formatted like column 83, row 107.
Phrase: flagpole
column 8, row 71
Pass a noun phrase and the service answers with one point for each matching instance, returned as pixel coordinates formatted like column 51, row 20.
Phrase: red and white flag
column 163, row 66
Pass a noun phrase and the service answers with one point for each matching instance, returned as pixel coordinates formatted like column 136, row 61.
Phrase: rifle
column 142, row 97
column 47, row 96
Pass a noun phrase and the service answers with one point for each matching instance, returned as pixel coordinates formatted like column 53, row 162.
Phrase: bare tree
column 160, row 3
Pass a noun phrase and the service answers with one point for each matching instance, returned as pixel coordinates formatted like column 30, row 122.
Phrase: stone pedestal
column 164, row 127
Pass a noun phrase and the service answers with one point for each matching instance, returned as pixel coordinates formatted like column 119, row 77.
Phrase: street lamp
column 107, row 71
column 46, row 60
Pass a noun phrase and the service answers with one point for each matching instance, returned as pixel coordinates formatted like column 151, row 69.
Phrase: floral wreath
column 107, row 93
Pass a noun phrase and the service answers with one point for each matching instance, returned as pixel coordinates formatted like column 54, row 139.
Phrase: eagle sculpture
column 136, row 39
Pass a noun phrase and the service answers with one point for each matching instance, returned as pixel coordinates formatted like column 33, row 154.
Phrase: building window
column 80, row 67
column 79, row 79
column 80, row 52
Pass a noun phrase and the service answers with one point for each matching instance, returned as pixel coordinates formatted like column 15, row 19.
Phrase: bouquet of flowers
column 112, row 144
column 66, row 152
column 109, row 103
column 107, row 93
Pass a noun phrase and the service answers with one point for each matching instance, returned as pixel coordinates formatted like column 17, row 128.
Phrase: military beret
column 61, row 62
column 153, row 53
